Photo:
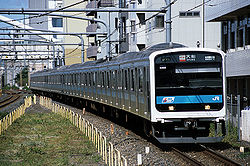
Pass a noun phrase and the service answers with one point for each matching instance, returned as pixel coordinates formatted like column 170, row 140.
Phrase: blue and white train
column 174, row 92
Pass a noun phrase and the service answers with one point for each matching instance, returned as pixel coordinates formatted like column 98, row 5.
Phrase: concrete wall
column 188, row 30
column 246, row 125
column 74, row 25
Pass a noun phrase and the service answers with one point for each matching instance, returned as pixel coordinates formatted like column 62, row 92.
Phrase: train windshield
column 188, row 78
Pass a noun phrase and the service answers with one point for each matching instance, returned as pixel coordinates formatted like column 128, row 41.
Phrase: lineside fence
column 14, row 115
column 110, row 155
column 238, row 115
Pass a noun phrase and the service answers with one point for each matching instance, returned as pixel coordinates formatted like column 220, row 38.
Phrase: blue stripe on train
column 188, row 99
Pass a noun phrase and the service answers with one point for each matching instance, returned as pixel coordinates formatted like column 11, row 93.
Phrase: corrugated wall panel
column 238, row 63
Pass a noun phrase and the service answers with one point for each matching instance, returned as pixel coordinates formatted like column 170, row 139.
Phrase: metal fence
column 14, row 115
column 233, row 110
column 235, row 105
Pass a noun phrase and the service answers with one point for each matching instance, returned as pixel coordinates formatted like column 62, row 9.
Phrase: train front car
column 187, row 95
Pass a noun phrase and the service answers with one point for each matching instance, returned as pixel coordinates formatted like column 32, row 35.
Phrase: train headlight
column 171, row 108
column 207, row 107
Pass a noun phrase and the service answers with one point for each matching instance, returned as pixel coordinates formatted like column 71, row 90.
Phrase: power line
column 47, row 13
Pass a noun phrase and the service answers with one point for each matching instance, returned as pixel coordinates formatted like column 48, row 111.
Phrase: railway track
column 186, row 158
column 219, row 157
column 202, row 155
column 8, row 100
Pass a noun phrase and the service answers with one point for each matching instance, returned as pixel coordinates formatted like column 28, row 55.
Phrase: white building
column 138, row 30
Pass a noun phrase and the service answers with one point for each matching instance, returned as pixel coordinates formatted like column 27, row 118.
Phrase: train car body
column 177, row 92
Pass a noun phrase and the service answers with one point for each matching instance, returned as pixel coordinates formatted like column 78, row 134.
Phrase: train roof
column 126, row 57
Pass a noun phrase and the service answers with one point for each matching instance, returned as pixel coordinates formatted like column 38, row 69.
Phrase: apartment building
column 235, row 41
column 135, row 31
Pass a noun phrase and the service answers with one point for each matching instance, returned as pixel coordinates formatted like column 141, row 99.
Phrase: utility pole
column 168, row 22
column 203, row 24
column 21, row 78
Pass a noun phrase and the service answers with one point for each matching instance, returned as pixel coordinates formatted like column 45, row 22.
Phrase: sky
column 12, row 4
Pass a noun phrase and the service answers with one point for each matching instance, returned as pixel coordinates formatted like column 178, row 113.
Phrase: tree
column 24, row 77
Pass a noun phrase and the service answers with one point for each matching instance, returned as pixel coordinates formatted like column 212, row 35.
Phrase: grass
column 231, row 139
column 45, row 139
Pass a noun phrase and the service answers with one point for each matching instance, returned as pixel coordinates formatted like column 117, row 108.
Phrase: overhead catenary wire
column 47, row 13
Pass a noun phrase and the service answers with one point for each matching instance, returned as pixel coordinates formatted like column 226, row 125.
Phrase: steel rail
column 185, row 157
column 218, row 156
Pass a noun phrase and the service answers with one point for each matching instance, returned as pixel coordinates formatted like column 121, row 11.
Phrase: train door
column 90, row 85
column 98, row 86
column 78, row 84
column 147, row 91
column 102, row 86
column 141, row 89
column 109, row 91
column 127, row 92
column 122, row 89
column 114, row 81
column 94, row 88
column 119, row 88
column 132, row 90
column 66, row 85
column 74, row 83
column 84, row 84
column 81, row 84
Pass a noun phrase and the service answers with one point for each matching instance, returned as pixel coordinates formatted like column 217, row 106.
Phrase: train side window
column 122, row 79
column 102, row 79
column 89, row 78
column 148, row 85
column 108, row 82
column 113, row 80
column 76, row 78
column 94, row 78
column 132, row 80
column 140, row 72
column 126, row 80
column 80, row 78
column 119, row 79
column 83, row 79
